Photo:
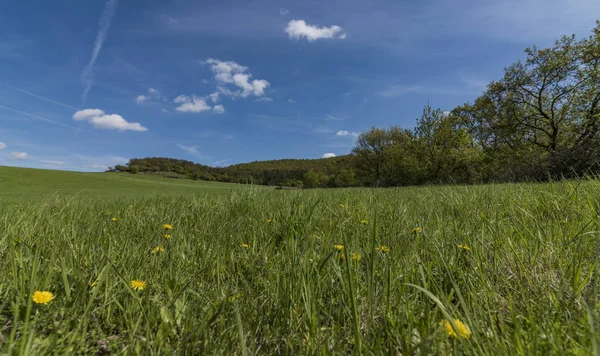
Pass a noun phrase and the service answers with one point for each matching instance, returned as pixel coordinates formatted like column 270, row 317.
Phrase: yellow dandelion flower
column 464, row 247
column 157, row 250
column 167, row 236
column 245, row 245
column 356, row 256
column 364, row 222
column 42, row 297
column 235, row 297
column 137, row 284
column 114, row 219
column 339, row 247
column 269, row 221
column 417, row 230
column 168, row 226
column 342, row 206
column 383, row 249
column 463, row 330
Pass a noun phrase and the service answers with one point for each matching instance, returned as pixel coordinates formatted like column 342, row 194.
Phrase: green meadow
column 506, row 269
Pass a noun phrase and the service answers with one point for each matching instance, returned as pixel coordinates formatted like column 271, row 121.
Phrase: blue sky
column 89, row 84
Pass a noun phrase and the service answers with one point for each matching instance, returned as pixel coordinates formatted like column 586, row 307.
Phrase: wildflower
column 342, row 206
column 356, row 257
column 463, row 330
column 114, row 219
column 168, row 226
column 464, row 247
column 42, row 297
column 383, row 249
column 157, row 250
column 417, row 230
column 167, row 236
column 342, row 256
column 93, row 284
column 138, row 285
column 235, row 297
column 364, row 222
column 269, row 221
column 339, row 247
column 245, row 245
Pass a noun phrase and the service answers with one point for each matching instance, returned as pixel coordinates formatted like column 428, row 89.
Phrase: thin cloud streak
column 87, row 77
column 41, row 118
column 46, row 99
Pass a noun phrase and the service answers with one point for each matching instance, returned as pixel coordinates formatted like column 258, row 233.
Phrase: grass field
column 256, row 271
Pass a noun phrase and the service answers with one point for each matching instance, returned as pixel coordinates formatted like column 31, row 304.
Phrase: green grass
column 528, row 285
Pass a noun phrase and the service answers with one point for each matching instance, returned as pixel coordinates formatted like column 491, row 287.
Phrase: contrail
column 39, row 117
column 48, row 100
column 87, row 77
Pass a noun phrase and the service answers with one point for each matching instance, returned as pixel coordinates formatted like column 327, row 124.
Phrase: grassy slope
column 18, row 183
column 527, row 286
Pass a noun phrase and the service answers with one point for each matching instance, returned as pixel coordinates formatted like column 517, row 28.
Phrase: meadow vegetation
column 149, row 266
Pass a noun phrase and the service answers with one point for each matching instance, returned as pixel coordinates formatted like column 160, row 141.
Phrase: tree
column 370, row 152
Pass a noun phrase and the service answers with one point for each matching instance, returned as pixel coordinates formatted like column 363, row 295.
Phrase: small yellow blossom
column 235, row 297
column 168, row 226
column 269, row 221
column 114, row 219
column 383, row 249
column 463, row 330
column 356, row 256
column 157, row 250
column 42, row 297
column 417, row 230
column 138, row 285
column 341, row 205
column 339, row 247
column 167, row 236
column 364, row 222
column 464, row 247
column 93, row 284
column 245, row 245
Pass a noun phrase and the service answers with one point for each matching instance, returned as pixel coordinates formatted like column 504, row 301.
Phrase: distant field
column 25, row 183
column 250, row 270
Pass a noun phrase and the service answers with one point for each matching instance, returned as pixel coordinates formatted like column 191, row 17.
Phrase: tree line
column 541, row 120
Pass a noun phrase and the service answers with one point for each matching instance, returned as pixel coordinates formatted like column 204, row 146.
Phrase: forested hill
column 324, row 172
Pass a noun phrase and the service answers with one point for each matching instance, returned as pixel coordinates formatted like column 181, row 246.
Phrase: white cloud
column 267, row 99
column 140, row 99
column 219, row 109
column 190, row 149
column 153, row 91
column 16, row 156
column 214, row 97
column 2, row 145
column 283, row 11
column 99, row 120
column 329, row 155
column 342, row 133
column 193, row 104
column 152, row 94
column 233, row 73
column 297, row 29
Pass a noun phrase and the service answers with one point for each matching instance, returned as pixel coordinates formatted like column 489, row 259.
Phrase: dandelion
column 464, row 247
column 383, row 249
column 137, row 284
column 114, row 219
column 245, row 245
column 340, row 248
column 342, row 206
column 42, row 297
column 269, row 221
column 167, row 236
column 356, row 257
column 157, row 250
column 417, row 230
column 235, row 297
column 459, row 326
column 364, row 222
column 167, row 226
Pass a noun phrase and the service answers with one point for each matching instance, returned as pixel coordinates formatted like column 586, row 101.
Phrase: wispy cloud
column 87, row 77
column 298, row 29
column 37, row 117
column 17, row 156
column 46, row 99
column 2, row 145
column 221, row 162
column 190, row 149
